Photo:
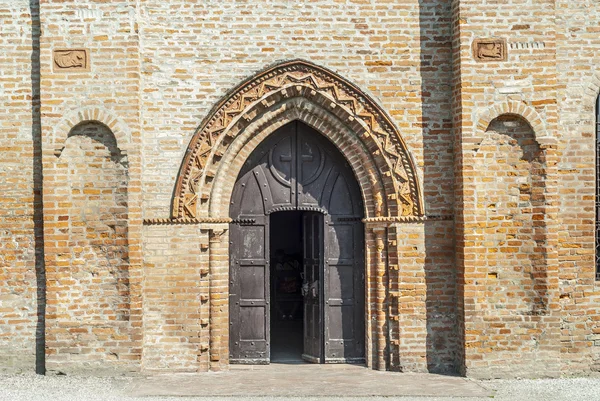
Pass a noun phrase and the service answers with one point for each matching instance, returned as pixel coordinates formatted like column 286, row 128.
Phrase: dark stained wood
column 312, row 232
column 344, row 308
column 249, row 277
column 296, row 168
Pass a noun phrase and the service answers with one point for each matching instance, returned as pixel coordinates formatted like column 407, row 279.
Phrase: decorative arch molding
column 89, row 114
column 591, row 98
column 360, row 159
column 251, row 102
column 592, row 91
column 521, row 110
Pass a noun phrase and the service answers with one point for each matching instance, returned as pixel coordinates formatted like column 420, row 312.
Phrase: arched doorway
column 297, row 90
column 296, row 253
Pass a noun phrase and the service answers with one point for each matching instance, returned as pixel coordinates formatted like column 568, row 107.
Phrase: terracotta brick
column 497, row 280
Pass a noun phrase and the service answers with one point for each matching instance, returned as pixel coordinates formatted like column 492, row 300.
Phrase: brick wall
column 504, row 146
column 19, row 144
column 578, row 58
column 176, row 291
column 422, row 297
column 89, row 296
column 92, row 214
column 526, row 85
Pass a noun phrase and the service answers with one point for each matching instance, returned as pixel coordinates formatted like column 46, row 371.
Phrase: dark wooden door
column 296, row 168
column 312, row 232
column 344, row 291
column 249, row 277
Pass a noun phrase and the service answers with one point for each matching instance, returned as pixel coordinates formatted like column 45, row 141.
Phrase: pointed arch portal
column 299, row 90
column 370, row 171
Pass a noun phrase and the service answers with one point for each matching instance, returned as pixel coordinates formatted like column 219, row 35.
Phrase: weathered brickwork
column 579, row 84
column 423, row 333
column 511, row 282
column 91, row 208
column 19, row 180
column 90, row 292
column 510, row 199
column 176, row 295
column 489, row 270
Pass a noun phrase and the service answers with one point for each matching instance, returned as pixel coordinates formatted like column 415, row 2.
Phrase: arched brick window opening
column 510, row 196
column 598, row 188
column 92, row 283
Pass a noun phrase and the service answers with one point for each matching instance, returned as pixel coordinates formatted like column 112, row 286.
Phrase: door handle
column 315, row 288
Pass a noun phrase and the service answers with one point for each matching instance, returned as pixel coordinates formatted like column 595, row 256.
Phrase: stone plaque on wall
column 490, row 49
column 67, row 60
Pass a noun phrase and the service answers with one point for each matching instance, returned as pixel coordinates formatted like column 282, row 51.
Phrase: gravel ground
column 31, row 387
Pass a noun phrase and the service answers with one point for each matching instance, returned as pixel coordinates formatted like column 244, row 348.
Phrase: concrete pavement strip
column 306, row 380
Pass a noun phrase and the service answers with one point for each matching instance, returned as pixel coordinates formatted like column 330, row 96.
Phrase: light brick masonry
column 470, row 127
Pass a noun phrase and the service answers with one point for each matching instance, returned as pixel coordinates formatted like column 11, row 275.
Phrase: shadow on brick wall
column 36, row 132
column 438, row 184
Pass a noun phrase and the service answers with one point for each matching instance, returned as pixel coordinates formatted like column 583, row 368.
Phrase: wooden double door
column 297, row 169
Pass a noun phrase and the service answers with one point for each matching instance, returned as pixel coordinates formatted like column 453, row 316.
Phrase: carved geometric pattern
column 298, row 73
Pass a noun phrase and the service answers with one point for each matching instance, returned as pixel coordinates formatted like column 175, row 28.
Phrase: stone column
column 380, row 297
column 218, row 290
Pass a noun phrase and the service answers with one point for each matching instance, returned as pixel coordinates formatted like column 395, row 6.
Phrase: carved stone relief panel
column 67, row 60
column 490, row 49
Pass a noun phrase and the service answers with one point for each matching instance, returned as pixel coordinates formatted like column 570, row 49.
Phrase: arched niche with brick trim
column 100, row 115
column 87, row 255
column 298, row 90
column 511, row 197
column 592, row 91
column 519, row 110
column 512, row 235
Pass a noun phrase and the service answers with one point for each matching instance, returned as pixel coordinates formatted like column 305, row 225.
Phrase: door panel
column 280, row 168
column 249, row 291
column 252, row 277
column 341, row 280
column 341, row 198
column 248, row 198
column 249, row 331
column 315, row 164
column 344, row 297
column 253, row 245
column 340, row 245
column 249, row 272
column 312, row 231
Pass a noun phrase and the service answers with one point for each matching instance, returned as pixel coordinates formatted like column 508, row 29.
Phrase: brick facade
column 469, row 126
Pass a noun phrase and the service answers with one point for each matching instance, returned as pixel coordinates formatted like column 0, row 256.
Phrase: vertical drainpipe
column 380, row 263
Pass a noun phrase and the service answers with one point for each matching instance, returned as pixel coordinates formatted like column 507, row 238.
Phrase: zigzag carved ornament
column 202, row 150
